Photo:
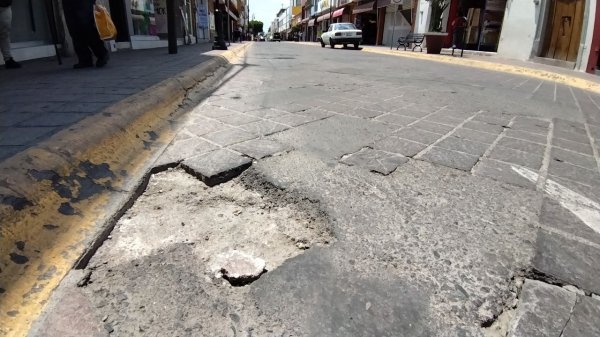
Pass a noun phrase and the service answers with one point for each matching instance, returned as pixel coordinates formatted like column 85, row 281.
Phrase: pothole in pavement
column 238, row 230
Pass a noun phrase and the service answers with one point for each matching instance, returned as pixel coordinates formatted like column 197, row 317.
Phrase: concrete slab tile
column 216, row 167
column 543, row 310
column 405, row 111
column 522, row 145
column 229, row 136
column 462, row 145
column 555, row 216
column 575, row 137
column 417, row 135
column 267, row 113
column 441, row 119
column 457, row 160
column 292, row 120
column 531, row 125
column 185, row 148
column 401, row 146
column 375, row 160
column 568, row 260
column 501, row 172
column 260, row 148
column 573, row 146
column 202, row 126
column 512, row 156
column 364, row 113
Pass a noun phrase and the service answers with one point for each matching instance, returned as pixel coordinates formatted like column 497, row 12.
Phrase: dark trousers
column 79, row 16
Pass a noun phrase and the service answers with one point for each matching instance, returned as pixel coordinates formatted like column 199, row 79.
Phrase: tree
column 256, row 26
column 437, row 11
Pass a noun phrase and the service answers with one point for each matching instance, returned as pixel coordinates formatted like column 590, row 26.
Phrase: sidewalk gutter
column 572, row 81
column 57, row 197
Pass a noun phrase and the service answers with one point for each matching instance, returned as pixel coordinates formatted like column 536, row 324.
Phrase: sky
column 265, row 10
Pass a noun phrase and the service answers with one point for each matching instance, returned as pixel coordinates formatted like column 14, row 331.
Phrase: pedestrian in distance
column 5, row 24
column 79, row 16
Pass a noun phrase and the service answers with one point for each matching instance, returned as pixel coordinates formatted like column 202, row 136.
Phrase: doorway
column 563, row 32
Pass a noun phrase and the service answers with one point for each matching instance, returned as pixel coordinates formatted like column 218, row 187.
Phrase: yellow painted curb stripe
column 39, row 244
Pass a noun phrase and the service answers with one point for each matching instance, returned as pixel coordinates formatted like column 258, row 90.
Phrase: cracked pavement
column 460, row 202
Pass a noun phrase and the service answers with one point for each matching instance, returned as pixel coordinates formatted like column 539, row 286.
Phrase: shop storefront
column 482, row 21
column 364, row 16
column 312, row 29
column 31, row 31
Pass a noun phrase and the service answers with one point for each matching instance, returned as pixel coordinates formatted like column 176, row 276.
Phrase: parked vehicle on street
column 344, row 33
column 261, row 37
column 276, row 37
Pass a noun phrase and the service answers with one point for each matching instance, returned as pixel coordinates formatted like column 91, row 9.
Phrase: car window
column 345, row 26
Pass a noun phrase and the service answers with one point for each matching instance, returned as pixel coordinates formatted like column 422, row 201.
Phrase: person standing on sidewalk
column 5, row 23
column 79, row 15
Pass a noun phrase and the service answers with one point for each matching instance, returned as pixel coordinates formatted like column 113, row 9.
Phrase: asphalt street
column 387, row 196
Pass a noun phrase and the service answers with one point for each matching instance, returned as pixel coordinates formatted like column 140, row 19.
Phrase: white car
column 341, row 33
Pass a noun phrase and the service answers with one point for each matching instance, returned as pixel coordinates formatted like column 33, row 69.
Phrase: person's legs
column 91, row 33
column 76, row 25
column 5, row 19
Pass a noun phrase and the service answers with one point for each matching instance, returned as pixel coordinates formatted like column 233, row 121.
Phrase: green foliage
column 256, row 26
column 437, row 10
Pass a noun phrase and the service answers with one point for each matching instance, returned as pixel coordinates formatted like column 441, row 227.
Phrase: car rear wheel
column 331, row 44
column 322, row 44
column 356, row 46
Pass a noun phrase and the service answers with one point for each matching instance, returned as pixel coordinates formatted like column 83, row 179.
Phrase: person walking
column 5, row 23
column 79, row 16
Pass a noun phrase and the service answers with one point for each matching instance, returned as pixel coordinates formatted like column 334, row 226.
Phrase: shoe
column 82, row 65
column 101, row 62
column 11, row 64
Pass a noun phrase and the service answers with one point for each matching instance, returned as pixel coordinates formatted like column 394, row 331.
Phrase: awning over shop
column 338, row 12
column 383, row 3
column 312, row 22
column 364, row 8
column 323, row 17
column 304, row 20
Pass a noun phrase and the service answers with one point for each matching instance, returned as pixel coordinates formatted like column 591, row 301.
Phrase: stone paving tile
column 543, row 310
column 23, row 136
column 441, row 119
column 267, row 113
column 185, row 148
column 584, row 320
column 395, row 119
column 339, row 108
column 202, row 126
column 595, row 131
column 530, row 125
column 401, row 146
column 565, row 170
column 501, row 120
column 574, row 158
column 528, row 136
column 292, row 119
column 462, row 145
column 260, row 148
column 453, row 159
column 410, row 113
column 521, row 158
column 590, row 192
column 478, row 136
column 501, row 172
column 460, row 115
column 575, row 137
column 568, row 260
column 229, row 136
column 316, row 114
column 417, row 135
column 216, row 167
column 485, row 127
column 364, row 113
column 554, row 215
column 573, row 146
column 238, row 119
column 375, row 160
column 264, row 127
column 433, row 127
column 14, row 118
column 213, row 111
column 522, row 145
column 564, row 125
